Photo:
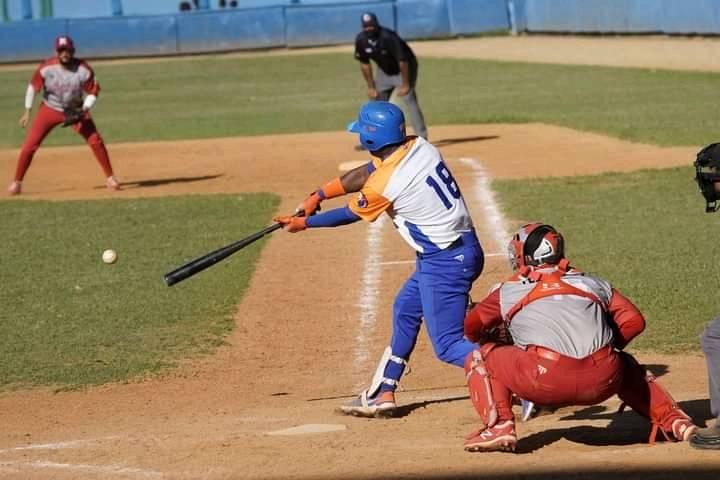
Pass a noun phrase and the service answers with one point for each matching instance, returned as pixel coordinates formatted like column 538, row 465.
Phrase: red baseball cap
column 64, row 42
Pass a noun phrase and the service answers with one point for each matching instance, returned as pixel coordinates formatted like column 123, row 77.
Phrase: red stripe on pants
column 45, row 120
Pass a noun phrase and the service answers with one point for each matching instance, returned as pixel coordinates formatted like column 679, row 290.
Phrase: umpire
column 397, row 67
column 707, row 168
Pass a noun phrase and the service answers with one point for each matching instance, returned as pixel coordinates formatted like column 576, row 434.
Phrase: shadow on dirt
column 452, row 141
column 157, row 182
column 657, row 369
column 405, row 410
column 627, row 428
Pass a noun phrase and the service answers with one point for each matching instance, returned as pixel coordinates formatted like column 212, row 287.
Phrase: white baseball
column 109, row 256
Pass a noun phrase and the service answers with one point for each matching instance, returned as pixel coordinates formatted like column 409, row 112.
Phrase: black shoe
column 706, row 439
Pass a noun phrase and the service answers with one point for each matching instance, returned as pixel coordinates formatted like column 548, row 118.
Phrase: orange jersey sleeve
column 369, row 204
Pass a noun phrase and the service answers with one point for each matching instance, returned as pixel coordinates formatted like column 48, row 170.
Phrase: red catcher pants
column 548, row 378
column 45, row 120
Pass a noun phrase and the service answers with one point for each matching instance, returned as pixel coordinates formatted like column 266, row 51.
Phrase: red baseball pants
column 45, row 120
column 548, row 378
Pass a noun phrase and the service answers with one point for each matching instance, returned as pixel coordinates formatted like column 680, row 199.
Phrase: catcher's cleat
column 706, row 438
column 15, row 188
column 381, row 406
column 499, row 438
column 683, row 429
column 112, row 183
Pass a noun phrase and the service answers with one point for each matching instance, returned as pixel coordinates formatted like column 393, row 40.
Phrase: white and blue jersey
column 415, row 187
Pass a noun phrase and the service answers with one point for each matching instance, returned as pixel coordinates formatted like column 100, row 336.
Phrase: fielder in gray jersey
column 707, row 167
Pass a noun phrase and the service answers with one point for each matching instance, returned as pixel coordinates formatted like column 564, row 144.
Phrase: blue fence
column 128, row 28
column 291, row 23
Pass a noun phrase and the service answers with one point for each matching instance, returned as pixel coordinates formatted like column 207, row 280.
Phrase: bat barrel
column 200, row 264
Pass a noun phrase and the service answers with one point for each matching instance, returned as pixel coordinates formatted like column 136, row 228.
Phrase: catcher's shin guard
column 643, row 393
column 478, row 382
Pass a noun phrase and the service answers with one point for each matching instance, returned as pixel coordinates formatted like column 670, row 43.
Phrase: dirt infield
column 296, row 355
column 307, row 338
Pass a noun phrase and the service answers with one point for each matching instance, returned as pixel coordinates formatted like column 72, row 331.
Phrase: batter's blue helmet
column 379, row 124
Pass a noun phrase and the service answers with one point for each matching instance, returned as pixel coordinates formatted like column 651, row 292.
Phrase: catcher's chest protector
column 548, row 285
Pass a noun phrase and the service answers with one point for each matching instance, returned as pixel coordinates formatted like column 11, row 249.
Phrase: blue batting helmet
column 379, row 124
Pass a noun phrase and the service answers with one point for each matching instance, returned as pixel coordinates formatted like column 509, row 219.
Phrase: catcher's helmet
column 707, row 173
column 535, row 244
column 379, row 124
column 64, row 42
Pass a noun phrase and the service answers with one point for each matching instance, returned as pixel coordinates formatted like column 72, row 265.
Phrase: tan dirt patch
column 298, row 350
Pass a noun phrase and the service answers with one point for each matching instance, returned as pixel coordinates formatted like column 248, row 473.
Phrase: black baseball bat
column 201, row 263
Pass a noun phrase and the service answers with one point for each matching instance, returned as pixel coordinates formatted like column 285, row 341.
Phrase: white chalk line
column 56, row 446
column 368, row 300
column 485, row 197
column 103, row 469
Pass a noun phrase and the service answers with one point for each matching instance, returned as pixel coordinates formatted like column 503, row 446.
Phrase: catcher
column 69, row 92
column 568, row 330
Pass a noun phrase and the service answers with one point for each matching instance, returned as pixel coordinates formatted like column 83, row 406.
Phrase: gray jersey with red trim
column 572, row 325
column 64, row 87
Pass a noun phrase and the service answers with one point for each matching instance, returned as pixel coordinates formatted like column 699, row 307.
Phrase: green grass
column 646, row 232
column 216, row 96
column 68, row 319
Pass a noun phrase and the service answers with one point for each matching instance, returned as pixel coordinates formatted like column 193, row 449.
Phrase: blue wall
column 325, row 22
column 622, row 16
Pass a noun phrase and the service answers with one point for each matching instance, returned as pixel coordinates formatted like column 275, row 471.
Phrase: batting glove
column 292, row 224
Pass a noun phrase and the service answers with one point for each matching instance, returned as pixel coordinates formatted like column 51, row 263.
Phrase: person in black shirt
column 397, row 67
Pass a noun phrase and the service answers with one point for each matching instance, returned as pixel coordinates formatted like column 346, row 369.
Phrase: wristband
column 334, row 188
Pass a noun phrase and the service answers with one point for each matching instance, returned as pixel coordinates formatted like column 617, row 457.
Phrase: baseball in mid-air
column 109, row 256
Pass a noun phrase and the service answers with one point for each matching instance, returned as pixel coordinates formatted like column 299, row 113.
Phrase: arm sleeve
column 332, row 218
column 29, row 96
column 91, row 85
column 627, row 319
column 484, row 316
column 37, row 80
column 397, row 49
column 89, row 102
column 369, row 205
column 360, row 54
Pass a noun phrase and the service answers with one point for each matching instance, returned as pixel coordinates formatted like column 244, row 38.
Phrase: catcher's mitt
column 500, row 334
column 72, row 116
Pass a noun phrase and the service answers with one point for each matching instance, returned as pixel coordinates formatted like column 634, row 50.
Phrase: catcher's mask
column 535, row 244
column 707, row 173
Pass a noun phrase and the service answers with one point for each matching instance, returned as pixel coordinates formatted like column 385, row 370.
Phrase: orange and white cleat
column 380, row 406
column 498, row 438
